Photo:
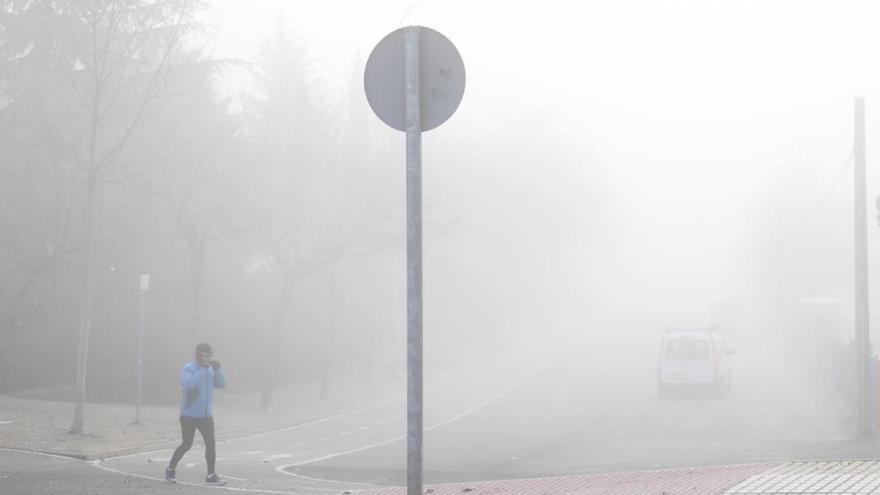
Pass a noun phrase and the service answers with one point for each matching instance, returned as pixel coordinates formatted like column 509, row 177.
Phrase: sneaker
column 215, row 479
column 170, row 475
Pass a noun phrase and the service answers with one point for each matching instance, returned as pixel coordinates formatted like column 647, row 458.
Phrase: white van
column 693, row 359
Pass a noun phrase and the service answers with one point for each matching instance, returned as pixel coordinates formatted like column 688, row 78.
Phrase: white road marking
column 282, row 469
column 384, row 421
column 358, row 407
column 7, row 422
column 365, row 427
column 344, row 433
column 323, row 438
column 253, row 452
column 339, row 414
column 484, row 403
column 301, row 444
column 320, row 419
column 232, row 477
column 278, row 456
column 186, row 483
column 97, row 465
column 323, row 419
column 191, row 465
column 324, row 480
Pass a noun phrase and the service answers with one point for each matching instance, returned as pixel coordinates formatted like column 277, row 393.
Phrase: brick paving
column 803, row 478
column 692, row 481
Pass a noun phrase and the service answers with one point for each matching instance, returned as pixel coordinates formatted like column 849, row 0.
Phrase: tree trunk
column 82, row 354
column 270, row 379
column 85, row 328
column 328, row 342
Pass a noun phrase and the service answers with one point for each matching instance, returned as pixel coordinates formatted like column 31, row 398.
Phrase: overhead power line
column 847, row 163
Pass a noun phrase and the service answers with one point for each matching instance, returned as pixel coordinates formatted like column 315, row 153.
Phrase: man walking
column 198, row 379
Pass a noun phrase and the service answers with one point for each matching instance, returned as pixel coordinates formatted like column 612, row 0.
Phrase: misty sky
column 696, row 110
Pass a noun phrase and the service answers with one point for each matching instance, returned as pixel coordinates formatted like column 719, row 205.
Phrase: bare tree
column 115, row 66
column 316, row 180
column 198, row 176
column 39, row 190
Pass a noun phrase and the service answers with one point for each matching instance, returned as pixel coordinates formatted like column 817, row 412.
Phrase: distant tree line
column 119, row 156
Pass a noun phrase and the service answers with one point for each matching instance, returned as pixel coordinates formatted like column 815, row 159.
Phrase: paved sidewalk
column 692, row 481
column 807, row 478
column 816, row 478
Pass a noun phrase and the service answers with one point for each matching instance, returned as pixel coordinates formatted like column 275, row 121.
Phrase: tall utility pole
column 863, row 332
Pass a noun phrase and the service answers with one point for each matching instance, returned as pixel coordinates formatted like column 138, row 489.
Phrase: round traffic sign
column 441, row 74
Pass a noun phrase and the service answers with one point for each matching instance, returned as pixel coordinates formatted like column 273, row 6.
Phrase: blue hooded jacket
column 197, row 389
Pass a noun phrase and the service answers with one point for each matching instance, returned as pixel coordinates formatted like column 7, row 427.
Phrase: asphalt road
column 529, row 417
column 272, row 461
column 29, row 474
column 579, row 416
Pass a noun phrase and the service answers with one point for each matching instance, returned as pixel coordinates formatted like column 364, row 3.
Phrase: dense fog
column 614, row 169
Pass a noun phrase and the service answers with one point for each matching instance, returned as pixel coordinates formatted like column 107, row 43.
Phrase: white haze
column 657, row 133
column 615, row 168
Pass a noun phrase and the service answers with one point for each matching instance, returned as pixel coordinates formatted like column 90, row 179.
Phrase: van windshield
column 687, row 349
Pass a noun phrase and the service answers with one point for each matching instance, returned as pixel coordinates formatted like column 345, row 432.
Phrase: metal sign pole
column 414, row 394
column 394, row 85
column 145, row 286
column 140, row 363
column 862, row 317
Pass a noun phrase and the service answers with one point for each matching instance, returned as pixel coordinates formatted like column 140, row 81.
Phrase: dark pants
column 188, row 428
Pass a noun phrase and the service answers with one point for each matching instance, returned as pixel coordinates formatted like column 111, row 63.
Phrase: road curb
column 222, row 436
column 129, row 449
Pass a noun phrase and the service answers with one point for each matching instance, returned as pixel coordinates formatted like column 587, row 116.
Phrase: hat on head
column 205, row 349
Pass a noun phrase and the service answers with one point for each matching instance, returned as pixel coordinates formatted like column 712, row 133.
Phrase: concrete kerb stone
column 105, row 453
column 223, row 435
column 144, row 447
